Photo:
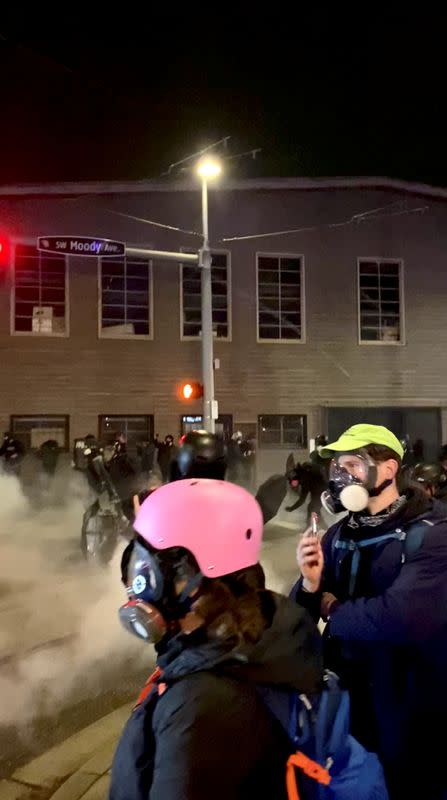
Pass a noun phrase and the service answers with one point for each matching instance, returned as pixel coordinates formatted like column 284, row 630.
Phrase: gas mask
column 352, row 481
column 154, row 607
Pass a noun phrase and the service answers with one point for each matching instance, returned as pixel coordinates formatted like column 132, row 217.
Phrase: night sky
column 125, row 94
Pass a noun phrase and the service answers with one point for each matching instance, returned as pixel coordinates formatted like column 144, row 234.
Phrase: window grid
column 136, row 428
column 282, row 430
column 380, row 301
column 190, row 293
column 40, row 292
column 280, row 294
column 33, row 430
column 125, row 297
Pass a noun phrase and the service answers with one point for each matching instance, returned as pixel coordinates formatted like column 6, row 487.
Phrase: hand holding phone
column 310, row 556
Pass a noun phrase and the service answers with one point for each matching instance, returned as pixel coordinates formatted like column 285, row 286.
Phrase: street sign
column 80, row 246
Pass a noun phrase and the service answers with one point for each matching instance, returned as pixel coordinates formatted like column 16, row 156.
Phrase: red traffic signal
column 4, row 252
column 191, row 390
column 4, row 260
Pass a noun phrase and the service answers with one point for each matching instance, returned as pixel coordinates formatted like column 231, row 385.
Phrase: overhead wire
column 363, row 216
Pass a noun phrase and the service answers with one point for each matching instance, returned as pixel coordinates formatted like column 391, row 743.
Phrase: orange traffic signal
column 191, row 391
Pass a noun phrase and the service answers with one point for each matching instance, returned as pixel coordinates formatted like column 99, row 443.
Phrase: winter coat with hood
column 388, row 641
column 208, row 734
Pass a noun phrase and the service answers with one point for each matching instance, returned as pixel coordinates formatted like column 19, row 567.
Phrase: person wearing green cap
column 379, row 579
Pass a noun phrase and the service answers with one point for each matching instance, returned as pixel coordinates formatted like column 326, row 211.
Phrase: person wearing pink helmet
column 196, row 590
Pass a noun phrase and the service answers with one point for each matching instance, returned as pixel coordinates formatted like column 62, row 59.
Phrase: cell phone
column 313, row 533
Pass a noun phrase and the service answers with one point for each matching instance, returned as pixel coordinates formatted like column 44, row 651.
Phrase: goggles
column 356, row 467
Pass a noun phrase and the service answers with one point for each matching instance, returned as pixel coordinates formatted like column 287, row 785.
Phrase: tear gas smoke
column 59, row 628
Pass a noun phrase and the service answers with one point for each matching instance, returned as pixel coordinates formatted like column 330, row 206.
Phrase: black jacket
column 209, row 735
column 389, row 641
column 441, row 494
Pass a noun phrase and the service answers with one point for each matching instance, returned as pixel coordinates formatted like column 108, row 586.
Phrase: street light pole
column 207, row 169
column 207, row 318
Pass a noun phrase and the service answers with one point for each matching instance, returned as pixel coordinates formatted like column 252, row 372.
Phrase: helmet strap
column 192, row 584
column 379, row 489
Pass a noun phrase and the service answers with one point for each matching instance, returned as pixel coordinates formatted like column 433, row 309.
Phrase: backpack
column 329, row 764
column 411, row 539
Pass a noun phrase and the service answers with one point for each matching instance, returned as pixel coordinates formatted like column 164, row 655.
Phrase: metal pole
column 207, row 318
column 162, row 255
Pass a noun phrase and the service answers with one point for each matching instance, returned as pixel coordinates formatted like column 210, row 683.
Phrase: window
column 126, row 297
column 40, row 292
column 190, row 288
column 248, row 429
column 194, row 422
column 380, row 301
column 277, row 430
column 33, row 431
column 190, row 422
column 280, row 283
column 136, row 428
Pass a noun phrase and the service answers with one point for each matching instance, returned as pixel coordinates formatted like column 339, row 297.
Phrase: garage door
column 417, row 423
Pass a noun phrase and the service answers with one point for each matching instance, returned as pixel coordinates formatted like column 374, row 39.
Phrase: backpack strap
column 310, row 768
column 150, row 686
column 357, row 546
column 334, row 547
column 411, row 537
column 414, row 536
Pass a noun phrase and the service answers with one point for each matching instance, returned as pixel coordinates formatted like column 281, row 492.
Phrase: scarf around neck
column 362, row 520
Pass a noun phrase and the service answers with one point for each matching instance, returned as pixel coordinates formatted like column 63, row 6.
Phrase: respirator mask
column 352, row 482
column 150, row 576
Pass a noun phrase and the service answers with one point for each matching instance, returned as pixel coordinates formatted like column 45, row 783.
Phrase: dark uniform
column 387, row 638
column 207, row 733
column 12, row 452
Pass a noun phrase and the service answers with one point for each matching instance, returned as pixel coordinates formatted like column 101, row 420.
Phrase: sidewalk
column 77, row 768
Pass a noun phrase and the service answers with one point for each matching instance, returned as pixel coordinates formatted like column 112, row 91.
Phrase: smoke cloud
column 59, row 627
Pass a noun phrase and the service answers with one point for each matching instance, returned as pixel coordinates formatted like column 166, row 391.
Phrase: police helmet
column 428, row 474
column 200, row 455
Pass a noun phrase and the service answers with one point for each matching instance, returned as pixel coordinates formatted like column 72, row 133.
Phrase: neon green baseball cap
column 360, row 436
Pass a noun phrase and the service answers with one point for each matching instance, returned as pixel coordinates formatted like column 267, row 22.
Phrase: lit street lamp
column 207, row 169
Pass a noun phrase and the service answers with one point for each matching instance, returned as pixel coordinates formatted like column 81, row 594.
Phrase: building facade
column 328, row 308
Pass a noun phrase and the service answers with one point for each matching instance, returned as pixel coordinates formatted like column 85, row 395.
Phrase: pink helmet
column 218, row 522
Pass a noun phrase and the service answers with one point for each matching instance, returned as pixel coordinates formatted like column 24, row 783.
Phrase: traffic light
column 4, row 253
column 191, row 390
column 4, row 259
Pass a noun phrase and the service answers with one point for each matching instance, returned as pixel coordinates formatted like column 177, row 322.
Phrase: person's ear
column 391, row 468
